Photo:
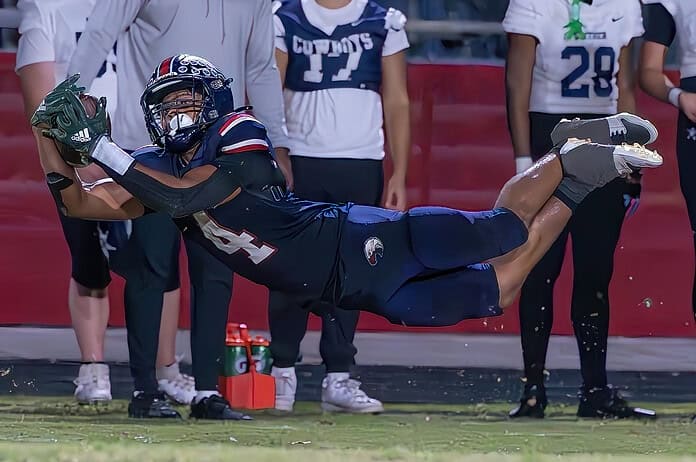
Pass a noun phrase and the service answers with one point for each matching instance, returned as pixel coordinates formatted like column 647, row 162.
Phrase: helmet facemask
column 177, row 113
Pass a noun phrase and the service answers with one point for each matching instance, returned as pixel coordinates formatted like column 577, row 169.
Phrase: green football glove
column 52, row 104
column 73, row 128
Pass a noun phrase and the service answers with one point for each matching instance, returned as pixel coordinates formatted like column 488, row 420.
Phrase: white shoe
column 285, row 386
column 340, row 393
column 587, row 161
column 176, row 385
column 627, row 156
column 92, row 383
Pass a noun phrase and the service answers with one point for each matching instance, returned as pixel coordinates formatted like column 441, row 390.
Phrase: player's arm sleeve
column 37, row 32
column 396, row 40
column 522, row 17
column 659, row 25
column 200, row 189
column 263, row 85
column 106, row 21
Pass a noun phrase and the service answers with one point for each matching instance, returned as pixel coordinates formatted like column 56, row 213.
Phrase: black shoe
column 607, row 403
column 151, row 406
column 615, row 129
column 532, row 404
column 215, row 407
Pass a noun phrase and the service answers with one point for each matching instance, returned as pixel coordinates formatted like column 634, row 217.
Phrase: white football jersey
column 338, row 122
column 684, row 14
column 49, row 32
column 578, row 74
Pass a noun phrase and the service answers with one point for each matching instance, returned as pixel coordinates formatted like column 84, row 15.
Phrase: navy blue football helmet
column 211, row 98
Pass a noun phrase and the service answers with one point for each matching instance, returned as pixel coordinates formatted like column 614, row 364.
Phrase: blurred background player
column 571, row 59
column 49, row 32
column 667, row 21
column 238, row 36
column 343, row 64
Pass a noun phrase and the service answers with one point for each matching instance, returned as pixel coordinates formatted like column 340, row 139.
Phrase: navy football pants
column 425, row 267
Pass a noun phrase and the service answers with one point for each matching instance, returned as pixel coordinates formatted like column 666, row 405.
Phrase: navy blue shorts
column 426, row 266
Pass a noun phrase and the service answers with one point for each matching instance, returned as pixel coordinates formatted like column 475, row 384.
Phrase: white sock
column 203, row 394
column 168, row 372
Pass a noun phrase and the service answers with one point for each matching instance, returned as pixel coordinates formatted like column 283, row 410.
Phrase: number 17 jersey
column 334, row 73
column 577, row 56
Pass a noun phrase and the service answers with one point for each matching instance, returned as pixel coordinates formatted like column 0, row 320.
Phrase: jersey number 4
column 232, row 242
column 603, row 70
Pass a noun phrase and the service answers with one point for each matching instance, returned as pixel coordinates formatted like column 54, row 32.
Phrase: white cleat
column 93, row 384
column 597, row 164
column 340, row 393
column 179, row 387
column 628, row 157
column 285, row 388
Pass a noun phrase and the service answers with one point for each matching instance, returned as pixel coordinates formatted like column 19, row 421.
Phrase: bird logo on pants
column 374, row 249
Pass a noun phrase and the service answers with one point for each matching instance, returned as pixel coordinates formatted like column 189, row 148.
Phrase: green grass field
column 42, row 429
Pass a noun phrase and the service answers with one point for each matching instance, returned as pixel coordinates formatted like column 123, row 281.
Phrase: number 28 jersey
column 576, row 64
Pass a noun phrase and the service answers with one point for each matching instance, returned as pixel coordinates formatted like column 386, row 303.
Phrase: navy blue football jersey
column 351, row 57
column 263, row 233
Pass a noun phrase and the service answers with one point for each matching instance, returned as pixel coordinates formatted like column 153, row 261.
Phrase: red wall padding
column 460, row 158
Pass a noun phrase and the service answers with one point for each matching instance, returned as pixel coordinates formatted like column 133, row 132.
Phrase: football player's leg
column 287, row 322
column 88, row 302
column 88, row 295
column 167, row 362
column 687, row 171
column 512, row 269
column 578, row 168
column 536, row 321
column 527, row 192
column 211, row 291
column 444, row 298
column 147, row 263
column 443, row 238
column 586, row 166
column 595, row 231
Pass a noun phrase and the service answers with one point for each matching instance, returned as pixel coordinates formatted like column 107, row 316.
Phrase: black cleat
column 616, row 129
column 607, row 403
column 151, row 406
column 215, row 407
column 532, row 404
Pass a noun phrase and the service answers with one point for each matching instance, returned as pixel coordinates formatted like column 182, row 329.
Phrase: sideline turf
column 33, row 428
